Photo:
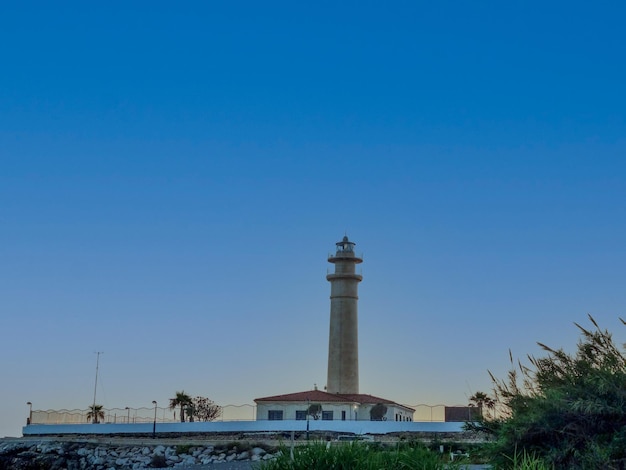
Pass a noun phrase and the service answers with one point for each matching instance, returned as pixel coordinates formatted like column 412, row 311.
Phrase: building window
column 327, row 415
column 300, row 415
column 343, row 415
column 275, row 415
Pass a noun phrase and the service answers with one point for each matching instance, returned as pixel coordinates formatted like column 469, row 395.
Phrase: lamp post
column 127, row 414
column 308, row 406
column 154, row 422
column 354, row 407
column 30, row 413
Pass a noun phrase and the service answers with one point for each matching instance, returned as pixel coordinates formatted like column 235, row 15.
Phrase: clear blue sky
column 173, row 177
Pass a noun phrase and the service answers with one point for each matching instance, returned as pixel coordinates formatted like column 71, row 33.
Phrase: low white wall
column 357, row 427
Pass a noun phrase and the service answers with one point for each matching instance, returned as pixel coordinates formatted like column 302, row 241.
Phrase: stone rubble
column 78, row 456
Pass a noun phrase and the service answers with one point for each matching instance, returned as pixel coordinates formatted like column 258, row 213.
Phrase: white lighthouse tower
column 343, row 342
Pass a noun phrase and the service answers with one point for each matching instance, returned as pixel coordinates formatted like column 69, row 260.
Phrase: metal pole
column 30, row 413
column 154, row 422
column 94, row 418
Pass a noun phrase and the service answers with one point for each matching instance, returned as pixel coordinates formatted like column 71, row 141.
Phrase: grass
column 526, row 461
column 375, row 456
column 356, row 456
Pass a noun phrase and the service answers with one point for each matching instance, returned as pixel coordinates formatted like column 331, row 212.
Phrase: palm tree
column 482, row 400
column 95, row 414
column 183, row 400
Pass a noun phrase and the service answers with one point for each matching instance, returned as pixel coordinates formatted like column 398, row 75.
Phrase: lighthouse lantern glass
column 345, row 246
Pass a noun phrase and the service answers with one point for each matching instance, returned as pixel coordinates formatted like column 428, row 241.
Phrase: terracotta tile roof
column 363, row 398
column 320, row 396
column 311, row 395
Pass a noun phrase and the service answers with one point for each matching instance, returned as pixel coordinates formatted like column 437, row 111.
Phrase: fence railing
column 245, row 412
column 130, row 415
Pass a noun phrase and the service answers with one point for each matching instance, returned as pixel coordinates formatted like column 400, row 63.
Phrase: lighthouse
column 343, row 342
column 341, row 400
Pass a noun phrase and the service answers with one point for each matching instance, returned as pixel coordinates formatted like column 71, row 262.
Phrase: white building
column 332, row 406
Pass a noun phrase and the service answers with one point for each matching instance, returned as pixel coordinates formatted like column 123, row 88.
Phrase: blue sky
column 173, row 177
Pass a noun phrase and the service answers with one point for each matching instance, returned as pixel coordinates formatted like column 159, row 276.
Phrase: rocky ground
column 25, row 455
column 217, row 452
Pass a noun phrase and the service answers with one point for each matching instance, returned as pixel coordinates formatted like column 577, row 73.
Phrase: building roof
column 324, row 397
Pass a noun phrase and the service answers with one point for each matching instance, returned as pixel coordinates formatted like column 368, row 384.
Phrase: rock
column 144, row 459
column 245, row 455
column 94, row 460
column 231, row 457
column 258, row 451
column 189, row 460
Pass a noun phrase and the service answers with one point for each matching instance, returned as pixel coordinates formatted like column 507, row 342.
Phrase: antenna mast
column 95, row 387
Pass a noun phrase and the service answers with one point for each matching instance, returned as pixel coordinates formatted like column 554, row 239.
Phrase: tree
column 190, row 410
column 378, row 412
column 205, row 409
column 95, row 414
column 569, row 409
column 481, row 400
column 183, row 401
column 314, row 410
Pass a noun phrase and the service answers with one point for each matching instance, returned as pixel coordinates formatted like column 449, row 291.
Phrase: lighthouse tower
column 343, row 343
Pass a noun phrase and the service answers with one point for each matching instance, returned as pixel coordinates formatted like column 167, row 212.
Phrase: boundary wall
column 354, row 427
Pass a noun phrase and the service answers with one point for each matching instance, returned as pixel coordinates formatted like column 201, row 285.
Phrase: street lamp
column 154, row 422
column 30, row 413
column 308, row 406
column 355, row 407
column 127, row 414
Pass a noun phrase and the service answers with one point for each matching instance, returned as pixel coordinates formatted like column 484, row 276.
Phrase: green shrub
column 158, row 461
column 183, row 449
column 568, row 411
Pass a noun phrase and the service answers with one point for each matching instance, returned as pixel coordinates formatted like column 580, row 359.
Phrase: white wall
column 357, row 427
column 362, row 411
column 289, row 410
